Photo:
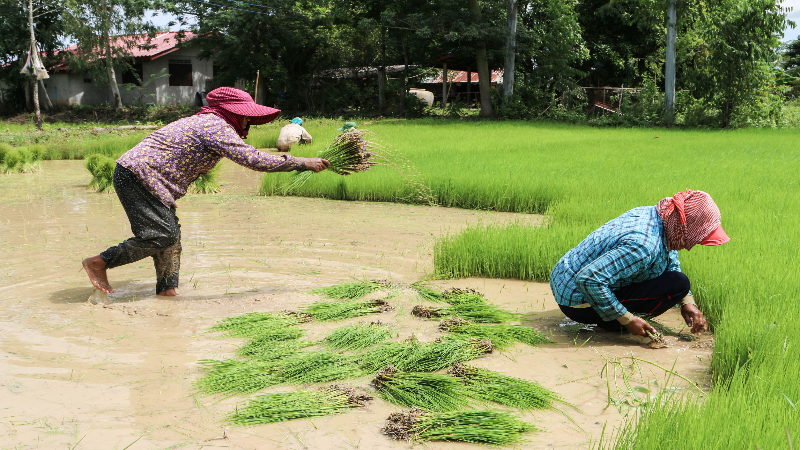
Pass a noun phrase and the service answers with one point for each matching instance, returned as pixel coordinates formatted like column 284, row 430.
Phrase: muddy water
column 118, row 375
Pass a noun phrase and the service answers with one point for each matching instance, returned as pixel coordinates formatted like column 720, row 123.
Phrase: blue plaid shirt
column 629, row 249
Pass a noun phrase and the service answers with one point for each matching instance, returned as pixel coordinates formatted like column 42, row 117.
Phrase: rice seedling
column 102, row 169
column 478, row 427
column 266, row 347
column 509, row 391
column 20, row 159
column 444, row 353
column 237, row 376
column 472, row 310
column 501, row 335
column 428, row 391
column 317, row 367
column 206, row 183
column 358, row 336
column 388, row 354
column 260, row 324
column 345, row 309
column 352, row 291
column 348, row 153
column 427, row 293
column 271, row 408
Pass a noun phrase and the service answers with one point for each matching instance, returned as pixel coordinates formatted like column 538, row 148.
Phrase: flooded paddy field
column 120, row 375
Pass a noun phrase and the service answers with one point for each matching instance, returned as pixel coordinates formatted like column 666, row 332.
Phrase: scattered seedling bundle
column 479, row 427
column 276, row 355
column 468, row 305
column 20, row 159
column 101, row 167
column 502, row 335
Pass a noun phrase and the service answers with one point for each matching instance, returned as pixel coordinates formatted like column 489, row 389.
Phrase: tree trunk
column 37, row 111
column 27, row 86
column 382, row 73
column 403, row 78
column 484, row 75
column 669, row 75
column 511, row 44
column 112, row 77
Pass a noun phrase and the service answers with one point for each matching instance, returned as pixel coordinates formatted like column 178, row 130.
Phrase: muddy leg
column 168, row 264
column 96, row 269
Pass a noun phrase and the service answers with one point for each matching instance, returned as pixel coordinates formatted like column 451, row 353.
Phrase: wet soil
column 120, row 375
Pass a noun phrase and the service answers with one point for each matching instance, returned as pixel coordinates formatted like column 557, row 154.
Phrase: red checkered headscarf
column 688, row 218
column 233, row 105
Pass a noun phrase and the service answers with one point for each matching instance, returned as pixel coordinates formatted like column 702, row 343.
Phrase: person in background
column 629, row 267
column 153, row 175
column 291, row 134
column 347, row 127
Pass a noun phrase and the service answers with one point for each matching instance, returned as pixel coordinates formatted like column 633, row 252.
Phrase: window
column 133, row 75
column 180, row 74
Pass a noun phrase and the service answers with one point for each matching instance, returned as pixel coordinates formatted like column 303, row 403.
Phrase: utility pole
column 36, row 109
column 669, row 76
column 511, row 44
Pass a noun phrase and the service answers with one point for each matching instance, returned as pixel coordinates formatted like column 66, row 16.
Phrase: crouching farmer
column 154, row 174
column 292, row 134
column 629, row 267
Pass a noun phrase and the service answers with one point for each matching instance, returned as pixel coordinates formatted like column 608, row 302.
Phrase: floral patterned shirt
column 170, row 159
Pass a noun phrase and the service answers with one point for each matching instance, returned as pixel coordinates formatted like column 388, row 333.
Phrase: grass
column 358, row 336
column 20, row 160
column 501, row 335
column 271, row 408
column 428, row 391
column 491, row 386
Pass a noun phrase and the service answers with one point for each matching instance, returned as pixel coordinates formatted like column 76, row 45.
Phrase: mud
column 119, row 375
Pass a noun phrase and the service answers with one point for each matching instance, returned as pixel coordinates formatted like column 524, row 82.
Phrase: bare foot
column 96, row 269
column 168, row 292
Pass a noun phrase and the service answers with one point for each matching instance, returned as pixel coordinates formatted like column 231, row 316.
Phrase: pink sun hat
column 716, row 237
column 239, row 102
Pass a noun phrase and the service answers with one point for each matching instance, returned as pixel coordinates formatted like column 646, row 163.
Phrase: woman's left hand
column 694, row 318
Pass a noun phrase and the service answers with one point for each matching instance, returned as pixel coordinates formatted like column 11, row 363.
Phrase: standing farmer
column 151, row 176
column 629, row 266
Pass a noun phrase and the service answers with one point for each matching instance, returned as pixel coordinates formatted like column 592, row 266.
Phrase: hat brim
column 258, row 114
column 716, row 237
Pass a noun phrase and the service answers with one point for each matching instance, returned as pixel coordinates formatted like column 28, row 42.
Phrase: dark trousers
column 649, row 298
column 156, row 232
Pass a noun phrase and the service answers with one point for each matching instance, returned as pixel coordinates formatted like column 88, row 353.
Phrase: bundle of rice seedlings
column 444, row 353
column 473, row 310
column 206, row 183
column 501, row 335
column 317, row 367
column 20, row 159
column 460, row 292
column 236, row 376
column 425, row 390
column 267, row 348
column 260, row 323
column 494, row 387
column 271, row 408
column 338, row 310
column 358, row 336
column 102, row 169
column 348, row 153
column 352, row 291
column 426, row 293
column 479, row 427
column 388, row 353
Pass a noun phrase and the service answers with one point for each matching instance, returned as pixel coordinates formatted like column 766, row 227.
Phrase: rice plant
column 471, row 310
column 271, row 408
column 352, row 291
column 427, row 293
column 437, row 355
column 261, row 323
column 478, row 427
column 266, row 347
column 358, row 336
column 388, row 354
column 237, row 376
column 102, row 169
column 501, row 335
column 20, row 159
column 206, row 183
column 317, row 367
column 509, row 391
column 345, row 309
column 428, row 391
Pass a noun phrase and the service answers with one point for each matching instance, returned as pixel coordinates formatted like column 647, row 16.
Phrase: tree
column 107, row 30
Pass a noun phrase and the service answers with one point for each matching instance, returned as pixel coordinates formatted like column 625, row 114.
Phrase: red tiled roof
column 140, row 46
column 460, row 76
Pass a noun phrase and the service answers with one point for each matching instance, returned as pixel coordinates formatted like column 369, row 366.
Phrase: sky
column 789, row 33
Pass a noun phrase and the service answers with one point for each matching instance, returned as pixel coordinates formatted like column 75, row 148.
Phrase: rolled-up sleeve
column 594, row 279
column 226, row 143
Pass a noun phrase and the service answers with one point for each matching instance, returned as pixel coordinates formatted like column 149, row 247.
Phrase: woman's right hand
column 640, row 327
column 316, row 164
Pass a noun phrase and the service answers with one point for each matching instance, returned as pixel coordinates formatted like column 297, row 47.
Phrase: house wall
column 70, row 88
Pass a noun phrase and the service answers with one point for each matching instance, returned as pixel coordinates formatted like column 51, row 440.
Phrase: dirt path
column 120, row 376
